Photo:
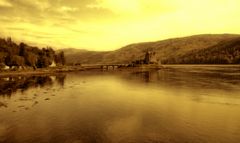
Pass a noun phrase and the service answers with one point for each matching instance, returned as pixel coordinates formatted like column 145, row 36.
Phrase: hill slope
column 165, row 49
column 225, row 52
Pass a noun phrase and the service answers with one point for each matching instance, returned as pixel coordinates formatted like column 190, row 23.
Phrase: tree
column 14, row 60
column 60, row 58
column 43, row 62
column 22, row 49
column 12, row 54
column 31, row 60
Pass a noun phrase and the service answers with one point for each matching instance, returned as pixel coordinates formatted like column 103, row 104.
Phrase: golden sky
column 111, row 24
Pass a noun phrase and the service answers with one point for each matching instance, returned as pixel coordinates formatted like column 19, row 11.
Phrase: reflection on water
column 189, row 78
column 175, row 105
column 10, row 85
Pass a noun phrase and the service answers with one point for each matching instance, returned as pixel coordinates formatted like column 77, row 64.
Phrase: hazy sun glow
column 111, row 24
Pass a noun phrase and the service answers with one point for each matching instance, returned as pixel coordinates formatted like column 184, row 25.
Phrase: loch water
column 178, row 104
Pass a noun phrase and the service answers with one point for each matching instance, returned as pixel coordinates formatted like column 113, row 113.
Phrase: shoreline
column 31, row 72
column 66, row 69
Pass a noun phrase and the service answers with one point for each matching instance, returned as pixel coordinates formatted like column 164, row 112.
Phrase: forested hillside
column 199, row 49
column 166, row 50
column 23, row 55
column 225, row 52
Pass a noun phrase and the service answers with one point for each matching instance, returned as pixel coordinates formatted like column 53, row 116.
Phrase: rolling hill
column 225, row 52
column 176, row 48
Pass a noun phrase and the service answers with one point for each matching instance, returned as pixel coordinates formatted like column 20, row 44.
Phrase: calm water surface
column 183, row 104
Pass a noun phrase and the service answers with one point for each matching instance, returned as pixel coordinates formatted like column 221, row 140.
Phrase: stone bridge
column 106, row 66
column 113, row 66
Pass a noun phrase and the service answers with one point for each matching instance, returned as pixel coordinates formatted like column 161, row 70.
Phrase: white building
column 53, row 64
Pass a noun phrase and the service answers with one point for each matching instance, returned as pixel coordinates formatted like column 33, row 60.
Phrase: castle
column 150, row 58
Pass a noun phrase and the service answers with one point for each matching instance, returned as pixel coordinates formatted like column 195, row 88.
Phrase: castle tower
column 150, row 58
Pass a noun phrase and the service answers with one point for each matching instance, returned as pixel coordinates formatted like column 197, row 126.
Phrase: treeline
column 225, row 52
column 23, row 55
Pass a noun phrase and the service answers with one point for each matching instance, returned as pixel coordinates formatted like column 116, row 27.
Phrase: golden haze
column 111, row 24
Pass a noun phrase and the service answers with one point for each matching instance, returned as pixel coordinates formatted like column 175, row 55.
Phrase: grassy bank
column 40, row 71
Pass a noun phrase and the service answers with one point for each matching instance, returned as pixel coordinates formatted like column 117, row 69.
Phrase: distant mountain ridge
column 166, row 50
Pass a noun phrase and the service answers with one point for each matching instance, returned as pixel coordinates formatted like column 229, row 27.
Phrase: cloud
column 56, row 22
column 119, row 6
column 15, row 29
column 30, row 4
column 5, row 3
column 135, row 7
column 67, row 9
column 77, row 23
